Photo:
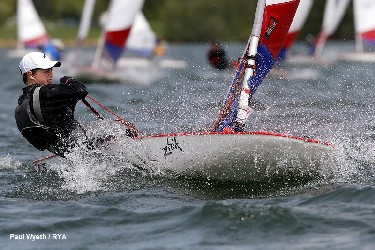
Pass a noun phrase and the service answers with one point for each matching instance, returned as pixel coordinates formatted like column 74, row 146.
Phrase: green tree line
column 179, row 20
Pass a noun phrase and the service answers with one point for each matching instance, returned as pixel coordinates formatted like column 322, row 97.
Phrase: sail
column 333, row 13
column 120, row 20
column 364, row 22
column 118, row 23
column 30, row 29
column 85, row 23
column 299, row 20
column 142, row 39
column 271, row 25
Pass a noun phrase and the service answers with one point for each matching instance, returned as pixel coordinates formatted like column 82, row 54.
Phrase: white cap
column 37, row 60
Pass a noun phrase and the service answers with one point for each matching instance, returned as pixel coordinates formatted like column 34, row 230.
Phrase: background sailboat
column 364, row 24
column 141, row 47
column 117, row 27
column 137, row 52
column 142, row 38
column 299, row 20
column 31, row 32
column 333, row 13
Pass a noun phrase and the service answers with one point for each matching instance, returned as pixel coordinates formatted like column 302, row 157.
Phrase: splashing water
column 8, row 163
column 86, row 170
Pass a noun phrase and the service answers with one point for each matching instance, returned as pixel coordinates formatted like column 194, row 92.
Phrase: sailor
column 159, row 50
column 54, row 49
column 45, row 111
column 217, row 57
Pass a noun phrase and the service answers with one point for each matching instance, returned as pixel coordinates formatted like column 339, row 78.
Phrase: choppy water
column 93, row 206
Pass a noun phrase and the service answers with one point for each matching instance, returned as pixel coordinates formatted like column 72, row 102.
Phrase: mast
column 244, row 109
column 271, row 24
column 100, row 47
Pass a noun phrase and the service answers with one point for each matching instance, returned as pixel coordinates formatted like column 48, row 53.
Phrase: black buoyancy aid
column 30, row 126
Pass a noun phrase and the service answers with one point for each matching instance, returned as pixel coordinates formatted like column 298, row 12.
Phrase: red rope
column 134, row 131
column 92, row 109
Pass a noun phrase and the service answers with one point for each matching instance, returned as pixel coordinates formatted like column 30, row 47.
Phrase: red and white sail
column 333, row 13
column 121, row 16
column 364, row 22
column 299, row 20
column 30, row 29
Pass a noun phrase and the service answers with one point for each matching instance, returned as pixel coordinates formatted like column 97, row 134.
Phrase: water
column 93, row 206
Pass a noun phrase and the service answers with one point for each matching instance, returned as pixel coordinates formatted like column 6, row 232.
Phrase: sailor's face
column 43, row 76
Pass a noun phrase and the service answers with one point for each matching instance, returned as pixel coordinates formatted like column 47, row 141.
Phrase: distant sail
column 30, row 29
column 299, row 20
column 333, row 13
column 121, row 16
column 271, row 25
column 85, row 23
column 142, row 39
column 364, row 23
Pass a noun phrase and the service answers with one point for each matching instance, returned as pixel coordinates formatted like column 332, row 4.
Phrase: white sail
column 364, row 25
column 142, row 38
column 333, row 13
column 364, row 22
column 30, row 29
column 299, row 20
column 85, row 23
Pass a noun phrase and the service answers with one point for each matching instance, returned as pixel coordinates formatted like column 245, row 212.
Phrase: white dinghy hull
column 242, row 156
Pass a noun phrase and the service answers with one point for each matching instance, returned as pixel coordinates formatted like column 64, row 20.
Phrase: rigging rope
column 134, row 132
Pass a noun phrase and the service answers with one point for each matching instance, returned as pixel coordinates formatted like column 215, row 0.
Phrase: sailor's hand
column 68, row 80
column 65, row 79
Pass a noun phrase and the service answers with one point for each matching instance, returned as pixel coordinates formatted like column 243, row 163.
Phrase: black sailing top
column 57, row 105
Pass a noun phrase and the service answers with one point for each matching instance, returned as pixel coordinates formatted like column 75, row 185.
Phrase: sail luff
column 237, row 83
column 243, row 107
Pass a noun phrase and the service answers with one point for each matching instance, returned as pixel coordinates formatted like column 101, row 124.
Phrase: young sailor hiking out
column 45, row 111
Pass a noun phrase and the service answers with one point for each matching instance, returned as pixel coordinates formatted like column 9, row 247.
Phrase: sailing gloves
column 68, row 80
column 74, row 85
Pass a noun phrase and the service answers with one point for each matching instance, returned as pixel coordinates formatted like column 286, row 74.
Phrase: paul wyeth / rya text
column 34, row 237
